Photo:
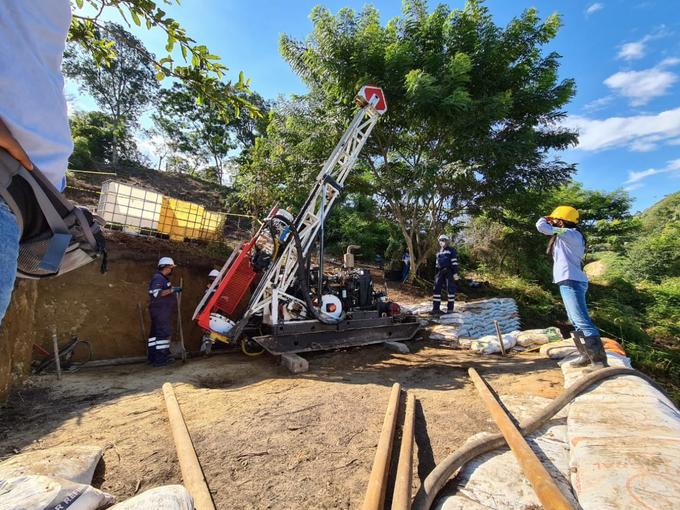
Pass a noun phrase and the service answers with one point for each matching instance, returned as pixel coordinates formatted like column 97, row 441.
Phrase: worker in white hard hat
column 161, row 307
column 446, row 272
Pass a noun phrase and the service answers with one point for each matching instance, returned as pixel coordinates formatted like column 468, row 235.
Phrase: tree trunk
column 114, row 147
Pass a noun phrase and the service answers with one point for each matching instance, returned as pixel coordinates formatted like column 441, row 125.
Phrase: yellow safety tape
column 90, row 172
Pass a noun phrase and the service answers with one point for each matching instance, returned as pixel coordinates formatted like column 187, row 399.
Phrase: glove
column 177, row 289
column 456, row 277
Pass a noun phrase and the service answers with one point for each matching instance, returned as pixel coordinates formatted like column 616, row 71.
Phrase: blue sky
column 623, row 54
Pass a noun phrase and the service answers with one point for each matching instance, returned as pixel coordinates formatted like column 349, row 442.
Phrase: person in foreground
column 567, row 246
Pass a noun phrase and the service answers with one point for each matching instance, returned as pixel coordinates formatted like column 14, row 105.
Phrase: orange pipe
column 545, row 487
column 377, row 483
column 403, row 485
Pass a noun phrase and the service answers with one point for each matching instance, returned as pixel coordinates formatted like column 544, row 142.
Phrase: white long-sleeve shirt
column 567, row 252
column 32, row 103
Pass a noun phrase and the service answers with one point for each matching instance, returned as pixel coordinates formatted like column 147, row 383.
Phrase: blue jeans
column 574, row 298
column 9, row 252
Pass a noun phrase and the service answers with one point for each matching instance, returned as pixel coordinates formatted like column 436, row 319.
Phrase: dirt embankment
column 102, row 309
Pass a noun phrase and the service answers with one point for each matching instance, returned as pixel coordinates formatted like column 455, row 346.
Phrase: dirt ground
column 267, row 438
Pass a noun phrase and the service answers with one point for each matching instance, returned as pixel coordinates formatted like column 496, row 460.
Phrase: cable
column 440, row 475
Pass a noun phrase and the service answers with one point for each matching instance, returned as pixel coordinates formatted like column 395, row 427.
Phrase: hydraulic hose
column 440, row 475
column 321, row 317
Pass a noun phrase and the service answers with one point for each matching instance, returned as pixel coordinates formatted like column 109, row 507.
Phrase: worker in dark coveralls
column 161, row 306
column 446, row 273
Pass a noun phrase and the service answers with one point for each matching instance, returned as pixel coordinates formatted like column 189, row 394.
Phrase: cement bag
column 445, row 333
column 490, row 345
column 170, row 497
column 559, row 350
column 43, row 493
column 73, row 463
column 538, row 337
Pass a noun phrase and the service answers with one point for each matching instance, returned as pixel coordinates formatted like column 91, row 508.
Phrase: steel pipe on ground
column 402, row 487
column 545, row 487
column 377, row 483
column 192, row 474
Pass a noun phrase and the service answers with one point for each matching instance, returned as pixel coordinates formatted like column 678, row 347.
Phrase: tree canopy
column 473, row 109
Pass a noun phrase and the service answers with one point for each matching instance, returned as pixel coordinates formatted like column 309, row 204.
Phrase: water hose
column 440, row 475
column 321, row 317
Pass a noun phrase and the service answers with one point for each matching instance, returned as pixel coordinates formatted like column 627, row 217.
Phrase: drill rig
column 268, row 291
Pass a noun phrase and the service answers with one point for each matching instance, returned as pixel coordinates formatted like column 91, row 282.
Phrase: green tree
column 124, row 88
column 473, row 114
column 93, row 134
column 199, row 131
column 200, row 68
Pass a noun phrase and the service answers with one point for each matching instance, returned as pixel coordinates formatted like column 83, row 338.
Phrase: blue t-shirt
column 158, row 284
column 567, row 252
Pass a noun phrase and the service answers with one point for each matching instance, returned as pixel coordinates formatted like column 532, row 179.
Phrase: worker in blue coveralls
column 447, row 272
column 161, row 306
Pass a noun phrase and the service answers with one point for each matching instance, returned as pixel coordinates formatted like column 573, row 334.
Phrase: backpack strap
column 61, row 237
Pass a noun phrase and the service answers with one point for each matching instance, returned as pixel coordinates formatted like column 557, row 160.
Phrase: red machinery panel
column 232, row 288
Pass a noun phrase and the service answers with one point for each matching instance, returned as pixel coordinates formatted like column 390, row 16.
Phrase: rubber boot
column 436, row 308
column 596, row 353
column 583, row 360
column 162, row 358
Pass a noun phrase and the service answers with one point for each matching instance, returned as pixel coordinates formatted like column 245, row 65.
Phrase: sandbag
column 73, row 463
column 559, row 350
column 445, row 333
column 170, row 497
column 38, row 492
column 538, row 337
column 489, row 344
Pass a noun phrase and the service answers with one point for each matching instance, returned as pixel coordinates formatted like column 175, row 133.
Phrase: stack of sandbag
column 54, row 478
column 564, row 348
column 623, row 434
column 475, row 320
column 60, row 478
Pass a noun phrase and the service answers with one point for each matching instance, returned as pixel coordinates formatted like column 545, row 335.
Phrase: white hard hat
column 444, row 237
column 166, row 261
column 214, row 272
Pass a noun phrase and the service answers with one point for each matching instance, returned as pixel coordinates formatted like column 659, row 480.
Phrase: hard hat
column 444, row 237
column 166, row 261
column 566, row 213
column 214, row 273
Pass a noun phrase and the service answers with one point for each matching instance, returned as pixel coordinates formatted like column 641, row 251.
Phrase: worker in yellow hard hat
column 567, row 246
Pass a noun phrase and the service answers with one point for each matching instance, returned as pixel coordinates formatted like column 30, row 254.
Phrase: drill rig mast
column 267, row 289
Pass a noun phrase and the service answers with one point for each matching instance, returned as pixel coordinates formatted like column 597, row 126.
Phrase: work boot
column 435, row 311
column 162, row 358
column 583, row 360
column 449, row 307
column 596, row 353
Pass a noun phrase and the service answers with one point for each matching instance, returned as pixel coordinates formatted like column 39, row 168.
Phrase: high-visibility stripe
column 152, row 341
column 162, row 345
column 452, row 299
column 436, row 296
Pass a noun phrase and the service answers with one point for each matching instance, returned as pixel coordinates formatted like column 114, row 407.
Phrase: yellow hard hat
column 566, row 213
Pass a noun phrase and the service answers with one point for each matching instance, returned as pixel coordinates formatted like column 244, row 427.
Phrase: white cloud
column 598, row 104
column 615, row 132
column 595, row 7
column 632, row 51
column 634, row 177
column 643, row 86
column 633, row 187
column 636, row 50
column 673, row 142
column 644, row 145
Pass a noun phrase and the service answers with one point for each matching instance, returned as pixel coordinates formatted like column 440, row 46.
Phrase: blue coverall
column 160, row 310
column 447, row 267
